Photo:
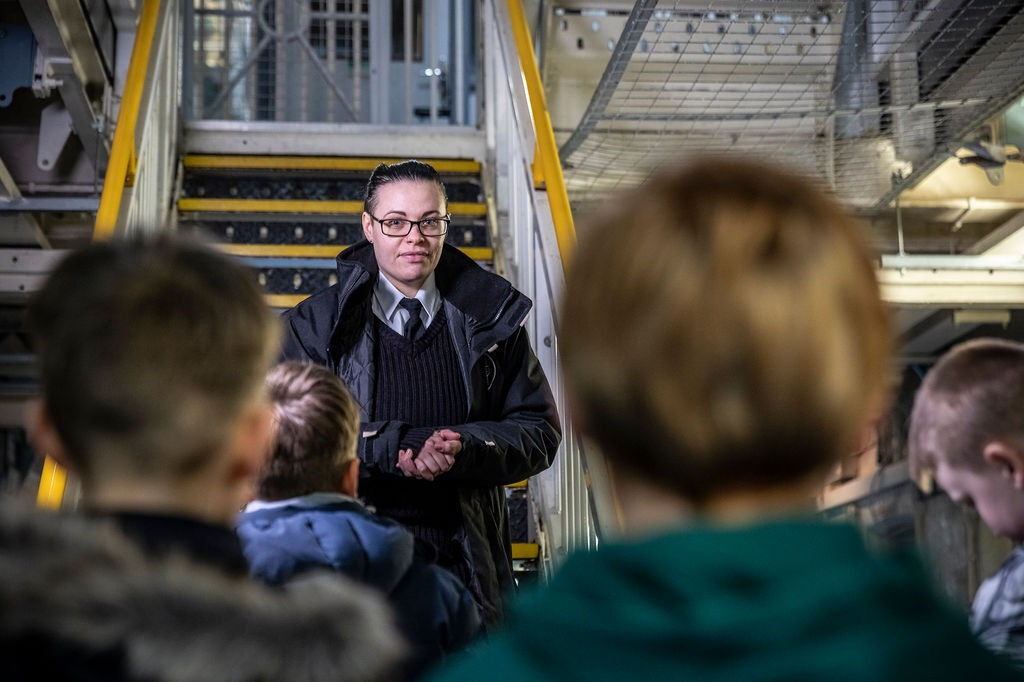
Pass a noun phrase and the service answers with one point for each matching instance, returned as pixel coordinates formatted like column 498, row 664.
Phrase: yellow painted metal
column 284, row 300
column 551, row 168
column 321, row 251
column 319, row 163
column 122, row 153
column 519, row 484
column 525, row 550
column 302, row 206
column 52, row 483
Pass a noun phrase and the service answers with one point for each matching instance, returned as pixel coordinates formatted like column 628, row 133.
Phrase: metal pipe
column 407, row 54
column 459, row 104
column 899, row 226
column 432, row 63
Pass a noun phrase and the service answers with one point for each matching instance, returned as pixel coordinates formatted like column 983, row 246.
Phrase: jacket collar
column 489, row 302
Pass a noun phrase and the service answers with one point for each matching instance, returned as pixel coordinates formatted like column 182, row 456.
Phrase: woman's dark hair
column 403, row 170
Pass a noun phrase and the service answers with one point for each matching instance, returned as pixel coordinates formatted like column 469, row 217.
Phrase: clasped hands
column 435, row 457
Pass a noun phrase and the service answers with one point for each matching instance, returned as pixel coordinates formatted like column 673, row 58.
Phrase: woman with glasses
column 453, row 402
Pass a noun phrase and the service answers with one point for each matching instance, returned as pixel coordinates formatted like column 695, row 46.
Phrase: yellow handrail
column 120, row 174
column 51, row 485
column 547, row 151
column 120, row 169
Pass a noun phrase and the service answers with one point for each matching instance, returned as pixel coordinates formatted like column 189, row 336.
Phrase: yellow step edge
column 284, row 300
column 520, row 484
column 484, row 253
column 525, row 550
column 303, row 206
column 318, row 163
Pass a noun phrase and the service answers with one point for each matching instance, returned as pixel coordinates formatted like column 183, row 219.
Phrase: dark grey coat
column 511, row 431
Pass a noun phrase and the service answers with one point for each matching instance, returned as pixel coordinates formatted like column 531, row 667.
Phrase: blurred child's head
column 315, row 435
column 152, row 355
column 967, row 427
column 722, row 330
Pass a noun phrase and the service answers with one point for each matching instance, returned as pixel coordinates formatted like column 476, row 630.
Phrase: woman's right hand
column 435, row 457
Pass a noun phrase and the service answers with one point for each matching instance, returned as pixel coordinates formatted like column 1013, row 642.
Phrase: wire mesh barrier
column 332, row 61
column 866, row 95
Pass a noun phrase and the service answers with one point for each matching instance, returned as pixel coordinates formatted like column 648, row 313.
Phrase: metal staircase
column 258, row 184
column 288, row 217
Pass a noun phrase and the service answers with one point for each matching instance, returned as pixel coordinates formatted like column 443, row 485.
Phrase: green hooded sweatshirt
column 787, row 600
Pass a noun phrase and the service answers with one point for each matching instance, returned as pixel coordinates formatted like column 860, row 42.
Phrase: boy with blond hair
column 306, row 517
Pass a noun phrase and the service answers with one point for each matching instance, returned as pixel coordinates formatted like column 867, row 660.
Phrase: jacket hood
column 82, row 586
column 794, row 600
column 283, row 542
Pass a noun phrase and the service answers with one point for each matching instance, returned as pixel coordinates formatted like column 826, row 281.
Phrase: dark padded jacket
column 511, row 431
column 435, row 611
column 79, row 601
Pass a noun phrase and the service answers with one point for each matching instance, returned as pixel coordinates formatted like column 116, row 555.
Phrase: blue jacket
column 435, row 611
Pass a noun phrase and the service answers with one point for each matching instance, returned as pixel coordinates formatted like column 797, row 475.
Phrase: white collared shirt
column 386, row 298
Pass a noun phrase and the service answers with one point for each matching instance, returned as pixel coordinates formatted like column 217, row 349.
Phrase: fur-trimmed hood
column 73, row 593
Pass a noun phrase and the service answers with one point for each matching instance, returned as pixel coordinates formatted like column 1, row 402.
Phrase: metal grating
column 280, row 60
column 866, row 95
column 331, row 61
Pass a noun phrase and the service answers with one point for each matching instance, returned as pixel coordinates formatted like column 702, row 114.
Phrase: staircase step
column 303, row 206
column 311, row 230
column 328, row 163
column 525, row 550
column 313, row 256
column 284, row 301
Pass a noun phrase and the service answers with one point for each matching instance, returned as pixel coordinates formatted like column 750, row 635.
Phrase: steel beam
column 942, row 288
column 68, row 61
column 23, row 271
column 51, row 204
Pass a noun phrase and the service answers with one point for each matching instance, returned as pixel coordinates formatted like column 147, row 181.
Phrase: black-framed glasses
column 399, row 227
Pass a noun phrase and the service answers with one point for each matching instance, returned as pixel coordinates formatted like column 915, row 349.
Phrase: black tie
column 414, row 326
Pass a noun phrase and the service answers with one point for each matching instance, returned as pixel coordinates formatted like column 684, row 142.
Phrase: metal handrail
column 534, row 240
column 550, row 168
column 123, row 157
column 147, row 126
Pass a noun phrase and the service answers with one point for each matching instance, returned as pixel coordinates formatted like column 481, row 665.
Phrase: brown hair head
column 972, row 396
column 149, row 350
column 722, row 329
column 409, row 171
column 317, row 424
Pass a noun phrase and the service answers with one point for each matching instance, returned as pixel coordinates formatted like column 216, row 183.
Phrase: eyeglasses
column 399, row 227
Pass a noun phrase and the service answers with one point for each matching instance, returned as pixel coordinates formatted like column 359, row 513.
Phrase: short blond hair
column 722, row 329
column 316, row 432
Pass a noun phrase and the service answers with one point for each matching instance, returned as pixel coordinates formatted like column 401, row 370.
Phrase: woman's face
column 406, row 261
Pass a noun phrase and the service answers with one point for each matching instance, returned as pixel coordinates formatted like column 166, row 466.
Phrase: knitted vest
column 420, row 383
